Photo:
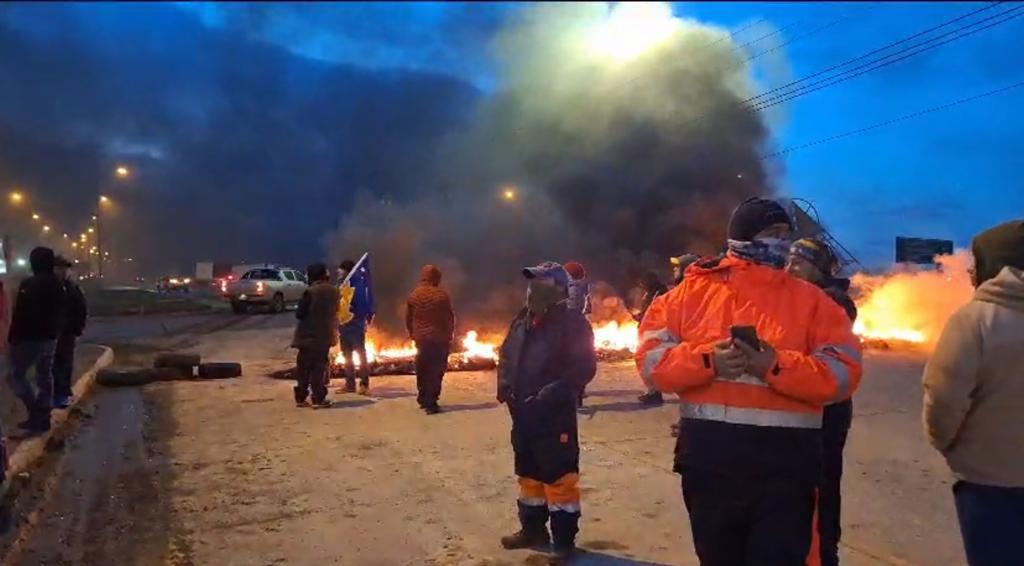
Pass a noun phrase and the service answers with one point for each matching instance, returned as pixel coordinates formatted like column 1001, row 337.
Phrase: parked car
column 268, row 286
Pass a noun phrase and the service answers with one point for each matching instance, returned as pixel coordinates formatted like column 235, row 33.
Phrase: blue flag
column 362, row 283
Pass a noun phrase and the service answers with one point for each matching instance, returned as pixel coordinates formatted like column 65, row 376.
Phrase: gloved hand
column 730, row 361
column 759, row 363
column 505, row 394
column 553, row 392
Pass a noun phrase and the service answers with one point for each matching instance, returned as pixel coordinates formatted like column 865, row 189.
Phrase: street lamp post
column 121, row 172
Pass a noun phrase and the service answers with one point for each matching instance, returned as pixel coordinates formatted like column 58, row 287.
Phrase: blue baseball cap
column 548, row 270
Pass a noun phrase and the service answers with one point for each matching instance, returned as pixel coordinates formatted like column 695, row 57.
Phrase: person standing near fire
column 754, row 355
column 430, row 320
column 357, row 296
column 653, row 288
column 814, row 261
column 315, row 334
column 545, row 361
column 973, row 388
column 76, row 314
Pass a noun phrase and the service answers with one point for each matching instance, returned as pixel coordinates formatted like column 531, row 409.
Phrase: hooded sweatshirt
column 974, row 385
column 39, row 307
column 429, row 316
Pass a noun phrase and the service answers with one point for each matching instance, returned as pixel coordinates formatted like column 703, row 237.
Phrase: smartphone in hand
column 747, row 335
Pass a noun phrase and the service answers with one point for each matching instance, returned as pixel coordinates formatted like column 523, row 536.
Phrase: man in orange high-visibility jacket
column 749, row 448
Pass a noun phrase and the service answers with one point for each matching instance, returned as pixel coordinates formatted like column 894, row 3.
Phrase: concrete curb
column 29, row 452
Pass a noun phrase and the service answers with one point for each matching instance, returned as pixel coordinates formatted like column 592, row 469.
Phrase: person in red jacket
column 430, row 320
column 749, row 447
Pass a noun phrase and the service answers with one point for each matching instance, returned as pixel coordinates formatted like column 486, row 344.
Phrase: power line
column 894, row 120
column 882, row 62
column 798, row 38
column 870, row 53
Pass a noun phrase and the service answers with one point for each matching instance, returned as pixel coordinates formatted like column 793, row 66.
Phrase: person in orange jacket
column 749, row 448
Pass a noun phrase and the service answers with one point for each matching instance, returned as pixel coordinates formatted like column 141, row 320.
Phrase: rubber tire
column 176, row 360
column 277, row 304
column 220, row 370
column 124, row 377
column 239, row 307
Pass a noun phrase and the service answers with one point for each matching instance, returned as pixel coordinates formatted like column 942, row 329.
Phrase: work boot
column 321, row 404
column 564, row 526
column 534, row 531
column 651, row 399
column 364, row 389
column 300, row 396
column 350, row 387
column 432, row 409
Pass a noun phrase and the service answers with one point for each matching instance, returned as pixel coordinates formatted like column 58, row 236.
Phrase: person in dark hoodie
column 430, row 320
column 653, row 288
column 814, row 261
column 315, row 335
column 76, row 314
column 973, row 387
column 546, row 360
column 352, row 332
column 36, row 323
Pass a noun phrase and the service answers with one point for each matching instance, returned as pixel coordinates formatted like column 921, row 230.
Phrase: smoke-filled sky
column 251, row 129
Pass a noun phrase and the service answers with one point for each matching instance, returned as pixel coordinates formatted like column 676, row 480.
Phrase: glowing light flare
column 104, row 200
column 16, row 197
column 632, row 28
column 35, row 216
column 122, row 172
column 46, row 228
column 509, row 193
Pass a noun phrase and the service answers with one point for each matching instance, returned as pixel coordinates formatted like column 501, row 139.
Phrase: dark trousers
column 311, row 366
column 991, row 523
column 835, row 427
column 24, row 356
column 353, row 340
column 748, row 521
column 431, row 363
column 63, row 365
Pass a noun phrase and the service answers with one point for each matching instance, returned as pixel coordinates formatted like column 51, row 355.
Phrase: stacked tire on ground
column 169, row 366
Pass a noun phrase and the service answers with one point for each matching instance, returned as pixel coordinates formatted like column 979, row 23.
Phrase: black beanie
column 756, row 214
column 42, row 260
column 997, row 248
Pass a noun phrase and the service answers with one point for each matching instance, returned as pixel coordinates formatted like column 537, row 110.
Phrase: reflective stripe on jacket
column 819, row 357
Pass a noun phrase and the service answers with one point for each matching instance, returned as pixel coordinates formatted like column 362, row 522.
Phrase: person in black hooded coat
column 37, row 320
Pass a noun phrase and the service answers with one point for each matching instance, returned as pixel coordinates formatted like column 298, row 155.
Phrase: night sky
column 250, row 128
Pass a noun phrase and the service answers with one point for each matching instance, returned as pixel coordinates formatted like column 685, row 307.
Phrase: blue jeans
column 38, row 354
column 353, row 340
column 991, row 523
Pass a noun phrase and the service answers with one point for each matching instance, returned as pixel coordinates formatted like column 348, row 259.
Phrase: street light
column 35, row 216
column 46, row 228
column 122, row 172
column 91, row 230
column 65, row 235
column 17, row 197
column 103, row 200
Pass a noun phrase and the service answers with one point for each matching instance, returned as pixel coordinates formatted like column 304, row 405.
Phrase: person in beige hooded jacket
column 974, row 400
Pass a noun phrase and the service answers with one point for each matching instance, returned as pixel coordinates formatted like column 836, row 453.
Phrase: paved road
column 231, row 472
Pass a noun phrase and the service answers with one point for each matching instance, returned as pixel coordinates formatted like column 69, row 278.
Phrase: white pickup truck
column 269, row 286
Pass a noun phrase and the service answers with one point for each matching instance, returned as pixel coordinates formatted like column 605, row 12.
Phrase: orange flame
column 912, row 305
column 611, row 336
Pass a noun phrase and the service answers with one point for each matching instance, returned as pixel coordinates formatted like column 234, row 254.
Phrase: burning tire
column 220, row 370
column 177, row 361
